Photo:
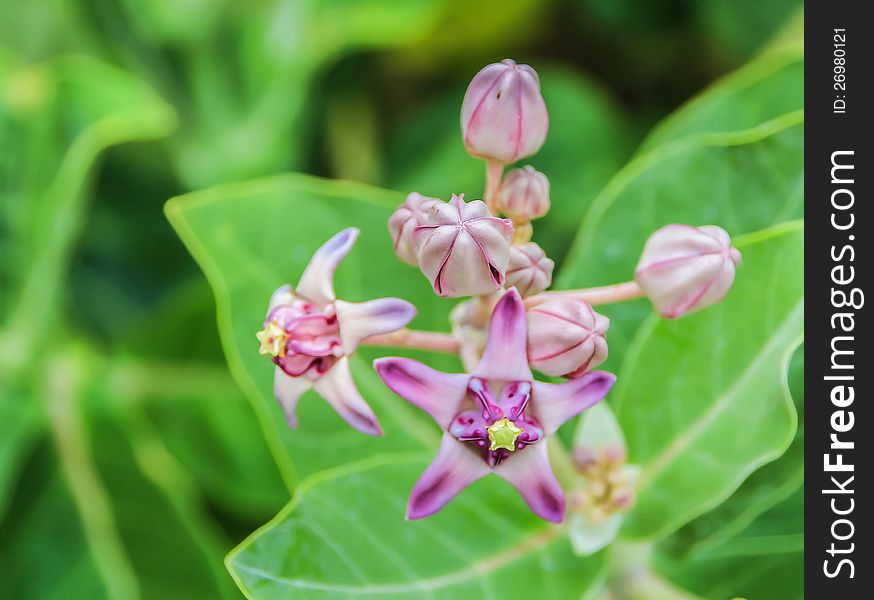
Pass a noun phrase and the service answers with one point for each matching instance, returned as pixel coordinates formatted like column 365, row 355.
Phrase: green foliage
column 322, row 546
column 131, row 460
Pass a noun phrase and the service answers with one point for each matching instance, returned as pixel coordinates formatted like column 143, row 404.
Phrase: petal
column 555, row 403
column 437, row 393
column 317, row 282
column 505, row 357
column 338, row 388
column 453, row 469
column 359, row 320
column 530, row 473
column 282, row 296
column 288, row 390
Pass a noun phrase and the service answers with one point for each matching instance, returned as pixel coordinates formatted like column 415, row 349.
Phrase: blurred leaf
column 766, row 487
column 61, row 116
column 766, row 88
column 250, row 238
column 742, row 181
column 765, row 561
column 73, row 537
column 587, row 143
column 699, row 434
column 344, row 535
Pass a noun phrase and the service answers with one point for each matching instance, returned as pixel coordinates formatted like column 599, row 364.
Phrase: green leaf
column 764, row 489
column 702, row 400
column 764, row 89
column 587, row 143
column 323, row 546
column 250, row 238
column 766, row 560
column 743, row 181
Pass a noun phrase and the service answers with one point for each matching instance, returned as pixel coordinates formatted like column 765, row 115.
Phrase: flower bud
column 524, row 194
column 566, row 337
column 530, row 271
column 503, row 116
column 409, row 215
column 462, row 249
column 684, row 269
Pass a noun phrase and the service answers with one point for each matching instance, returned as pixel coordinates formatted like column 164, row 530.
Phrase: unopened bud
column 503, row 116
column 566, row 337
column 524, row 194
column 530, row 271
column 409, row 215
column 462, row 249
column 684, row 269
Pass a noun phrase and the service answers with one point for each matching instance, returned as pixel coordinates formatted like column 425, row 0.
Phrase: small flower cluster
column 496, row 417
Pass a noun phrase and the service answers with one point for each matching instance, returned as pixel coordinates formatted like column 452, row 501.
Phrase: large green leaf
column 743, row 181
column 766, row 88
column 485, row 543
column 764, row 489
column 249, row 239
column 703, row 400
column 765, row 560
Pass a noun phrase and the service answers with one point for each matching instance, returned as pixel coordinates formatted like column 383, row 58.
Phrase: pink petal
column 555, row 403
column 338, row 388
column 317, row 282
column 288, row 390
column 282, row 296
column 359, row 320
column 505, row 357
column 529, row 472
column 453, row 469
column 438, row 394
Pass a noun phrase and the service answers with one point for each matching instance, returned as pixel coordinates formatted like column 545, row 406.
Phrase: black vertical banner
column 839, row 171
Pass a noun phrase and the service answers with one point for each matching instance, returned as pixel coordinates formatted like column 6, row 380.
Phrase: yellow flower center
column 503, row 434
column 272, row 340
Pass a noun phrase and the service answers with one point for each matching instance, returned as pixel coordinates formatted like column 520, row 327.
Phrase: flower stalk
column 412, row 338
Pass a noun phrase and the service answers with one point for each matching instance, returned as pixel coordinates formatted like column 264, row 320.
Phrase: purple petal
column 505, row 357
column 359, row 320
column 454, row 468
column 529, row 472
column 337, row 387
column 555, row 403
column 438, row 394
column 288, row 390
column 317, row 282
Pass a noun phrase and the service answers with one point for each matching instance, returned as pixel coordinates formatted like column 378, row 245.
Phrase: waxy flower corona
column 495, row 416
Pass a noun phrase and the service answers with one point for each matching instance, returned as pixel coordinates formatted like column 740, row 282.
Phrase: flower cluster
column 496, row 417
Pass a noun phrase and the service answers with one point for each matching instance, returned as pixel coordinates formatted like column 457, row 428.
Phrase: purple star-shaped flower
column 495, row 420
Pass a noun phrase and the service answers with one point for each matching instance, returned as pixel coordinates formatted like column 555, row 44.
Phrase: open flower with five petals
column 495, row 420
column 310, row 335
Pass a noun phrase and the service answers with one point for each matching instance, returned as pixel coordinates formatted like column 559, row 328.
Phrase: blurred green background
column 130, row 463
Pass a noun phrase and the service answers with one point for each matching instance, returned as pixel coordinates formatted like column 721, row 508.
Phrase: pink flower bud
column 524, row 194
column 503, row 116
column 462, row 249
column 409, row 215
column 566, row 337
column 684, row 269
column 529, row 271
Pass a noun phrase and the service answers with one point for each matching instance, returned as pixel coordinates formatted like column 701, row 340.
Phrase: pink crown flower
column 495, row 420
column 683, row 268
column 524, row 194
column 463, row 249
column 503, row 115
column 310, row 335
